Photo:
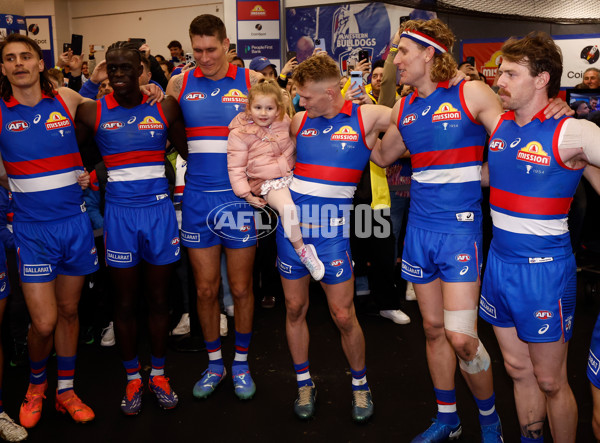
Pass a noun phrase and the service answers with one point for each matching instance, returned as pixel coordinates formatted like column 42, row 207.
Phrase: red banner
column 257, row 10
column 487, row 57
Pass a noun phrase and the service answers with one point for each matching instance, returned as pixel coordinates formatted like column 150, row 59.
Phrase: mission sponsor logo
column 258, row 11
column 446, row 112
column 497, row 145
column 534, row 153
column 234, row 96
column 150, row 123
column 345, row 134
column 195, row 96
column 17, row 126
column 57, row 121
column 409, row 119
column 110, row 126
column 309, row 132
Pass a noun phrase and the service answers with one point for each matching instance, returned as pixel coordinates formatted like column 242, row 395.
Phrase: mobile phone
column 320, row 43
column 76, row 43
column 66, row 47
column 350, row 65
column 356, row 80
column 137, row 42
column 233, row 46
column 363, row 55
column 291, row 55
column 471, row 61
column 189, row 58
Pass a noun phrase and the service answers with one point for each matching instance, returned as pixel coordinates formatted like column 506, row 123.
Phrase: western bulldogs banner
column 344, row 29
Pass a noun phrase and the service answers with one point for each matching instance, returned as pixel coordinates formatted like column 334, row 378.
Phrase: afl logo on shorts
column 463, row 257
column 17, row 126
column 112, row 125
column 336, row 263
column 195, row 96
column 245, row 228
column 409, row 119
column 309, row 133
column 543, row 315
column 497, row 145
column 175, row 241
column 93, row 251
column 2, row 275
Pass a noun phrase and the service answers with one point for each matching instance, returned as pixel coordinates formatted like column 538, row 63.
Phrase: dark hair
column 538, row 52
column 378, row 64
column 5, row 86
column 125, row 46
column 239, row 59
column 174, row 44
column 208, row 24
column 169, row 64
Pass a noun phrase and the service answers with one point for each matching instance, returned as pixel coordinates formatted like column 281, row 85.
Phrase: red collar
column 347, row 108
column 12, row 101
column 414, row 95
column 510, row 115
column 111, row 101
column 231, row 71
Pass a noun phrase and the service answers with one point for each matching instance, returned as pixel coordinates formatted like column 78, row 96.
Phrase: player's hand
column 99, row 74
column 557, row 108
column 458, row 77
column 255, row 201
column 154, row 93
column 84, row 180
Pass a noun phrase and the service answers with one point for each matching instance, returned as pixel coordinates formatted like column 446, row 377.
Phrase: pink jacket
column 256, row 154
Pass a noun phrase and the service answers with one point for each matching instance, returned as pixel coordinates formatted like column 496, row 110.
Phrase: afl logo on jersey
column 409, row 119
column 345, row 134
column 195, row 96
column 109, row 126
column 17, row 126
column 497, row 145
column 234, row 96
column 534, row 153
column 336, row 263
column 56, row 121
column 150, row 123
column 445, row 112
column 309, row 132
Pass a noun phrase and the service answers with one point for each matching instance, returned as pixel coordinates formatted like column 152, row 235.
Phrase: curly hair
column 315, row 69
column 538, row 52
column 444, row 65
column 5, row 87
column 267, row 87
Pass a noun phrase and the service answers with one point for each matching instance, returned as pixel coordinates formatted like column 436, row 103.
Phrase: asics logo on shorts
column 339, row 273
column 464, row 270
column 3, row 288
column 543, row 329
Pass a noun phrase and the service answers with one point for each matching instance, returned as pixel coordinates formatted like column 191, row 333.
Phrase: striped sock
column 303, row 374
column 132, row 367
column 158, row 366
column 242, row 343
column 359, row 380
column 532, row 440
column 215, row 359
column 66, row 372
column 37, row 375
column 446, row 402
column 487, row 411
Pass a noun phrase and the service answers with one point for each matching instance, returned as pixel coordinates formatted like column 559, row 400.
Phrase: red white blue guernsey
column 531, row 190
column 331, row 156
column 132, row 143
column 42, row 159
column 446, row 147
column 208, row 107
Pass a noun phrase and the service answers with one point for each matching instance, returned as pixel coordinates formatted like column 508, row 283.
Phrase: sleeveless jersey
column 208, row 107
column 446, row 147
column 132, row 143
column 331, row 156
column 530, row 190
column 42, row 159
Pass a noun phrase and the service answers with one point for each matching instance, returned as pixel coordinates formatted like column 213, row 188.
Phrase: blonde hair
column 444, row 65
column 267, row 87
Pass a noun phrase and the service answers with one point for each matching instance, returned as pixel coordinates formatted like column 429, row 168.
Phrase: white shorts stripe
column 207, row 146
column 530, row 226
column 136, row 173
column 321, row 190
column 443, row 176
column 45, row 183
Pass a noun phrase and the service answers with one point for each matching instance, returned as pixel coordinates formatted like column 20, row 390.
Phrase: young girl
column 260, row 160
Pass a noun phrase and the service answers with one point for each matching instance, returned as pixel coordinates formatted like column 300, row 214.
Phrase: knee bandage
column 464, row 322
column 480, row 363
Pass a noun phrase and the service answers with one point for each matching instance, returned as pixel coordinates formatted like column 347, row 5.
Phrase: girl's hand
column 255, row 201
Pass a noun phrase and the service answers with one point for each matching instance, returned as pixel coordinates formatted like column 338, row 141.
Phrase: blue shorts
column 429, row 255
column 4, row 286
column 538, row 299
column 333, row 252
column 593, row 366
column 146, row 233
column 217, row 218
column 60, row 247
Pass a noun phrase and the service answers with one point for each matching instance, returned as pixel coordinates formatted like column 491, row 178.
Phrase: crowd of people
column 311, row 146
